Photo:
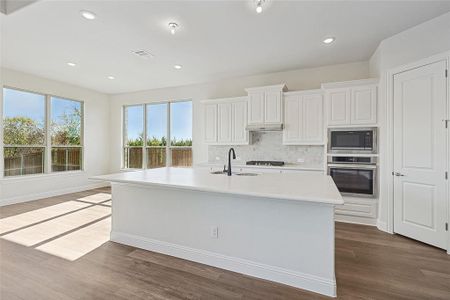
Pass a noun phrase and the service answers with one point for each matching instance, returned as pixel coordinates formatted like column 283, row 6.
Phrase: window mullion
column 48, row 140
column 169, row 138
column 144, row 148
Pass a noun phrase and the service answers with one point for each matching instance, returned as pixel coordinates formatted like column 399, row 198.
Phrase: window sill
column 42, row 176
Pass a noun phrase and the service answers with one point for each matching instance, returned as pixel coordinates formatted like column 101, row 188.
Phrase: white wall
column 296, row 80
column 96, row 141
column 419, row 42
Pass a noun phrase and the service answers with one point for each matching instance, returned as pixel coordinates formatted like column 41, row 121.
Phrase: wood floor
column 47, row 253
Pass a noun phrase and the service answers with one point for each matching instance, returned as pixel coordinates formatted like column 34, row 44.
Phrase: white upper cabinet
column 303, row 118
column 338, row 106
column 256, row 105
column 364, row 105
column 351, row 103
column 210, row 123
column 239, row 113
column 226, row 121
column 265, row 105
column 272, row 107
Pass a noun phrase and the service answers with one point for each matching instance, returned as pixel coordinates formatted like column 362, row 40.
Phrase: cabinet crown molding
column 352, row 83
column 222, row 100
column 279, row 87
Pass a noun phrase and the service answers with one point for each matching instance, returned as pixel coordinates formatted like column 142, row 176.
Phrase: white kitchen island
column 278, row 227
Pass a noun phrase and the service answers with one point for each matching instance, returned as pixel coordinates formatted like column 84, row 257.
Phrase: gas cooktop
column 265, row 163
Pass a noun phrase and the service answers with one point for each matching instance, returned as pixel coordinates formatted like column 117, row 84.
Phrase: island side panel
column 291, row 242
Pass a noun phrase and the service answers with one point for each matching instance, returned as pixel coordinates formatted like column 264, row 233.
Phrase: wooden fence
column 28, row 160
column 156, row 157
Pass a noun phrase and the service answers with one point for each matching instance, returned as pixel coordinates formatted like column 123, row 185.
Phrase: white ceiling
column 217, row 39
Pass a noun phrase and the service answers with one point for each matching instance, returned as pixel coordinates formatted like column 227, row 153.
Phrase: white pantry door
column 420, row 159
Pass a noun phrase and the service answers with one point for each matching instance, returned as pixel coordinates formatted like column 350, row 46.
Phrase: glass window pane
column 66, row 122
column 181, row 123
column 156, row 124
column 66, row 159
column 132, row 157
column 23, row 118
column 156, row 157
column 134, row 125
column 23, row 160
column 181, row 157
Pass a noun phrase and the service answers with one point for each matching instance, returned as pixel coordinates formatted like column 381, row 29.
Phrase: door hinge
column 446, row 175
column 446, row 226
column 446, row 73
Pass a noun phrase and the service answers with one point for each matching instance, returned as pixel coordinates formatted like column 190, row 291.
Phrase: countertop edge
column 221, row 191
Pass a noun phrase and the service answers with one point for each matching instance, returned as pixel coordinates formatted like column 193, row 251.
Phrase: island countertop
column 312, row 187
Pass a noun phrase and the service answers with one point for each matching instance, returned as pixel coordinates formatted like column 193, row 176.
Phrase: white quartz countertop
column 318, row 188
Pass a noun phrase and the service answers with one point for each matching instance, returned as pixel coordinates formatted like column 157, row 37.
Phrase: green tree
column 21, row 131
column 67, row 130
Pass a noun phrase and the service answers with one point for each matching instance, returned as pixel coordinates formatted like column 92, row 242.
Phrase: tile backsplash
column 268, row 146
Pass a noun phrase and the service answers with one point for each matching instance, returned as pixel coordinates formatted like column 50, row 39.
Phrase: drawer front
column 360, row 208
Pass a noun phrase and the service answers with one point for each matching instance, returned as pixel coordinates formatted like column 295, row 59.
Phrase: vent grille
column 143, row 54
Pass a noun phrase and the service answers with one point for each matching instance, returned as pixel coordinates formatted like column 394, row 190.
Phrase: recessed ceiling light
column 329, row 40
column 173, row 27
column 111, row 77
column 88, row 15
column 259, row 6
column 177, row 67
column 71, row 64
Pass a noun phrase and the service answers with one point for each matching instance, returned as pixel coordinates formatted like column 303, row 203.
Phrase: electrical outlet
column 238, row 158
column 217, row 158
column 300, row 160
column 214, row 232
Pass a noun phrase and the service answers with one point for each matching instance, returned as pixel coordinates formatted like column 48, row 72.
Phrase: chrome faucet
column 229, row 160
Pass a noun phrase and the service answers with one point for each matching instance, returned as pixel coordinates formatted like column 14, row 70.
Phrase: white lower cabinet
column 225, row 121
column 303, row 118
column 359, row 210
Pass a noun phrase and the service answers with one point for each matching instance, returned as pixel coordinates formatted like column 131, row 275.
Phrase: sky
column 24, row 104
column 181, row 120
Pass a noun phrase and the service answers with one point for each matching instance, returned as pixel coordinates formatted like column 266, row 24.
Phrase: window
column 23, row 132
column 181, row 133
column 134, row 136
column 66, row 134
column 33, row 146
column 148, row 129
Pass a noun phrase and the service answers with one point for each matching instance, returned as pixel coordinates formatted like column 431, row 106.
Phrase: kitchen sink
column 218, row 172
column 246, row 174
column 237, row 174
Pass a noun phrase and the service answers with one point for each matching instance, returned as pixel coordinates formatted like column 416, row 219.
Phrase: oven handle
column 352, row 166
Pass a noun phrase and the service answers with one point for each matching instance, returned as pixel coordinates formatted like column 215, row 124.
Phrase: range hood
column 264, row 127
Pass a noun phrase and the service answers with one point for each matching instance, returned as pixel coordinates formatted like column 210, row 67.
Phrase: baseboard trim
column 355, row 220
column 37, row 196
column 289, row 277
column 382, row 226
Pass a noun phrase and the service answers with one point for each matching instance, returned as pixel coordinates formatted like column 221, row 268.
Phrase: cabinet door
column 239, row 122
column 256, row 108
column 312, row 119
column 364, row 105
column 210, row 123
column 272, row 107
column 293, row 121
column 224, row 123
column 338, row 107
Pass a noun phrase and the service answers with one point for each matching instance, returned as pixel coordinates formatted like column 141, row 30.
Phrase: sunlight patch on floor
column 78, row 243
column 38, row 215
column 52, row 228
column 96, row 198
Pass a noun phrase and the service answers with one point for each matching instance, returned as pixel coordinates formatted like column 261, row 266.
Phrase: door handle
column 397, row 174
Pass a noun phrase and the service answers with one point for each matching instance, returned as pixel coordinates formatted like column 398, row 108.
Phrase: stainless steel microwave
column 352, row 140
